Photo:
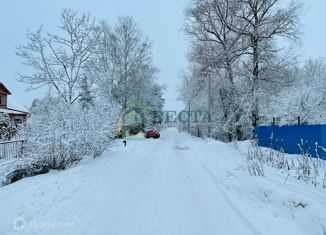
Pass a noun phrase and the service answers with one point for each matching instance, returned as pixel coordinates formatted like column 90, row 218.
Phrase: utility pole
column 189, row 117
column 209, row 106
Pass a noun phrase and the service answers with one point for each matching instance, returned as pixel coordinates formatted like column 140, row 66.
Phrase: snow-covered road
column 163, row 189
column 149, row 187
column 162, row 186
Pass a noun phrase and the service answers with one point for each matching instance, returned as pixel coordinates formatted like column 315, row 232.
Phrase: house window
column 0, row 99
column 18, row 122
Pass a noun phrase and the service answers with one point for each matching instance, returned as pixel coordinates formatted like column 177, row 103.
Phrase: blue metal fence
column 289, row 137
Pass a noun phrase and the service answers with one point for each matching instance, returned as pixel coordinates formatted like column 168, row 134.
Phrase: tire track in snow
column 204, row 148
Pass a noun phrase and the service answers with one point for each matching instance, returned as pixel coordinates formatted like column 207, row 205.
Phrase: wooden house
column 17, row 113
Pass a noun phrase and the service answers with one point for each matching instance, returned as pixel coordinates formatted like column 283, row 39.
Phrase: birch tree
column 125, row 60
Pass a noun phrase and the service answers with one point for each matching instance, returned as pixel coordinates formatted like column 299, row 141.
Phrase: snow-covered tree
column 261, row 22
column 86, row 99
column 60, row 136
column 216, row 48
column 6, row 127
column 125, row 60
column 306, row 98
column 59, row 60
column 92, row 72
column 125, row 66
column 235, row 64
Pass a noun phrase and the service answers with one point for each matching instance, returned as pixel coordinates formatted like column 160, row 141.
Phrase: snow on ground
column 174, row 185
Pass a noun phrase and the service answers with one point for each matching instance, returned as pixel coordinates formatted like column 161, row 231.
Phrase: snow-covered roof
column 9, row 111
column 13, row 107
column 12, row 104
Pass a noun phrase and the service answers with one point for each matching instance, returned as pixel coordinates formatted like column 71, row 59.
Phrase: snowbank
column 19, row 168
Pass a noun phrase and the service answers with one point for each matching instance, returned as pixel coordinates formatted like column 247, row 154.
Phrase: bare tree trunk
column 255, row 81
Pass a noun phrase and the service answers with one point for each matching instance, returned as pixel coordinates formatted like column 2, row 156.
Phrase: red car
column 152, row 132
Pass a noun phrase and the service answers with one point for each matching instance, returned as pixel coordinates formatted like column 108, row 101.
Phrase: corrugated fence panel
column 323, row 137
column 289, row 137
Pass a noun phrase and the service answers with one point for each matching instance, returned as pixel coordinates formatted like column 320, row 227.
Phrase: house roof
column 13, row 104
column 12, row 107
column 4, row 88
column 10, row 111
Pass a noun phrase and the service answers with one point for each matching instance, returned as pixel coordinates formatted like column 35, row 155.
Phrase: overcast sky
column 160, row 20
